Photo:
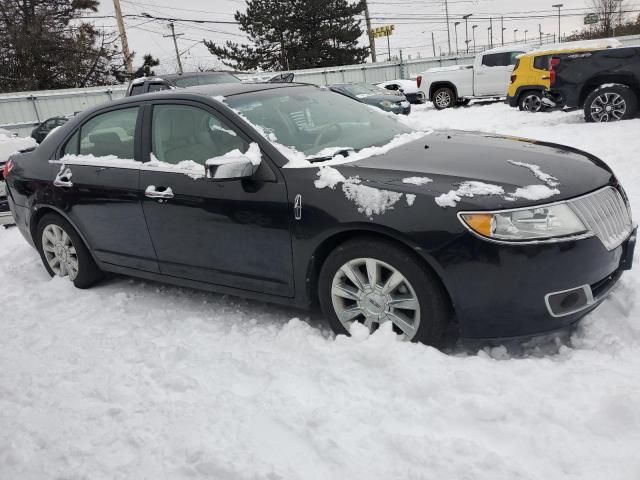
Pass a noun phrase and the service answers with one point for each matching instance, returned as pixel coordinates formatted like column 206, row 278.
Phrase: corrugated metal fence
column 20, row 111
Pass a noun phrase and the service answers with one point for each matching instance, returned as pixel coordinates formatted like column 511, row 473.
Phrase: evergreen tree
column 145, row 70
column 295, row 34
column 45, row 45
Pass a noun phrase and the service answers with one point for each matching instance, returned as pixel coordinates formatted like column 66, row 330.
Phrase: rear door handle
column 158, row 192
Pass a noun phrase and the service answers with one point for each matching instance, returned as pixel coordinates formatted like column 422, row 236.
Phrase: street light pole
column 558, row 6
column 515, row 35
column 466, row 30
column 525, row 35
column 446, row 8
column 473, row 31
column 455, row 26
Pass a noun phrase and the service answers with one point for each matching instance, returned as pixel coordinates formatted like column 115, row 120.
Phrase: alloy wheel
column 372, row 292
column 607, row 107
column 59, row 251
column 532, row 103
column 443, row 99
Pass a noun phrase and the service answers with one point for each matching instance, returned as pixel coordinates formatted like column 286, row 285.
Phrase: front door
column 234, row 233
column 97, row 185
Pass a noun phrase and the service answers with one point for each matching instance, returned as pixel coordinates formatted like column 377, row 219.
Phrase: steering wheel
column 325, row 131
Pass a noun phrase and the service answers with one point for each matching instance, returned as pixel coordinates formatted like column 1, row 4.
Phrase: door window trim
column 137, row 150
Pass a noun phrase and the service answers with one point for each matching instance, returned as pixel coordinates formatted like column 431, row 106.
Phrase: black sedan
column 294, row 194
column 386, row 100
column 43, row 129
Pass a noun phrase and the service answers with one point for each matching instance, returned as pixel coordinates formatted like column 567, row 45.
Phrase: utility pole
column 540, row 31
column 455, row 25
column 446, row 9
column 491, row 30
column 372, row 42
column 123, row 37
column 466, row 30
column 515, row 35
column 433, row 43
column 473, row 30
column 175, row 44
column 558, row 6
column 525, row 35
column 503, row 29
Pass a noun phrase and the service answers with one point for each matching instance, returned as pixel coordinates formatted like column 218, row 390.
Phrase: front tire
column 443, row 97
column 372, row 282
column 610, row 104
column 531, row 101
column 63, row 252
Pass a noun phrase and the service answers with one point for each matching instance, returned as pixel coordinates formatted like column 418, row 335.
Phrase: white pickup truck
column 488, row 77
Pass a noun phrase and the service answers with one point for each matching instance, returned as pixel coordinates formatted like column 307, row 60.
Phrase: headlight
column 387, row 104
column 535, row 223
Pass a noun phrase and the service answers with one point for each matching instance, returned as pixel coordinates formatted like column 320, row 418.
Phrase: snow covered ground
column 139, row 380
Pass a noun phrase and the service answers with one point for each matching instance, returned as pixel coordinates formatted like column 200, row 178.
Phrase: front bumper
column 502, row 291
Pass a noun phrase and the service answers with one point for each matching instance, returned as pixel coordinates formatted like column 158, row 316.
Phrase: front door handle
column 158, row 192
column 63, row 179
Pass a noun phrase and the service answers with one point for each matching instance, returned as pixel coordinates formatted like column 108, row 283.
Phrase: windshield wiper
column 345, row 152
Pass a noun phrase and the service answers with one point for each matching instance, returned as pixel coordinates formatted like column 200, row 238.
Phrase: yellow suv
column 531, row 77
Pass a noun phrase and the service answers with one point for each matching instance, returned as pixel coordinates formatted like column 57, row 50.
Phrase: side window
column 542, row 62
column 137, row 89
column 494, row 60
column 156, row 87
column 183, row 132
column 512, row 57
column 72, row 145
column 111, row 133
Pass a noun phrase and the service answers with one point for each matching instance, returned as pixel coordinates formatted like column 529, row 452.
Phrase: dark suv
column 605, row 83
column 178, row 80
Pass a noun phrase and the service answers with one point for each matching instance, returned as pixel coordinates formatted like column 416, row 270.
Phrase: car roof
column 175, row 76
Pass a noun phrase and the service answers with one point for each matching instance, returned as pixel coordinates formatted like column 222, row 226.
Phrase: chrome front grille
column 606, row 214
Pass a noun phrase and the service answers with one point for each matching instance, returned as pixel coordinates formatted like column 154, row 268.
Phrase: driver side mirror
column 232, row 166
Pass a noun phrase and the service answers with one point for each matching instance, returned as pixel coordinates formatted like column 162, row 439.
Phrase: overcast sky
column 414, row 21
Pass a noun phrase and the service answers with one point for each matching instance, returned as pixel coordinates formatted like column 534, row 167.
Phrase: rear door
column 234, row 233
column 97, row 186
column 493, row 74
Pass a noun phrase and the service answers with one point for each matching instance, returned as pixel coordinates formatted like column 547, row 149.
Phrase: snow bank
column 10, row 144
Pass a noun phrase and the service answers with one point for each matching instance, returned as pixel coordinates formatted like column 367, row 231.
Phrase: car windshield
column 311, row 119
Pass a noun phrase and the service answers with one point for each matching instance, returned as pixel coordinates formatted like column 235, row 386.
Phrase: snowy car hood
column 451, row 159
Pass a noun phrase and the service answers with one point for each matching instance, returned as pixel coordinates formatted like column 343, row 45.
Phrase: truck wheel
column 443, row 97
column 531, row 101
column 610, row 103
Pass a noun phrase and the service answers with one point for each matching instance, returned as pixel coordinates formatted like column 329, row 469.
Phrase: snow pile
column 113, row 160
column 467, row 189
column 418, row 181
column 10, row 144
column 537, row 171
column 368, row 200
column 533, row 192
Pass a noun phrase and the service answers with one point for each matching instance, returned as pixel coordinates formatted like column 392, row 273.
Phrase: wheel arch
column 596, row 82
column 334, row 239
column 442, row 84
column 40, row 211
column 527, row 88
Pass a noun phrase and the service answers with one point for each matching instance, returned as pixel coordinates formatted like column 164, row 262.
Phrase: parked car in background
column 488, row 77
column 407, row 87
column 141, row 85
column 370, row 94
column 338, row 204
column 606, row 83
column 531, row 77
column 41, row 131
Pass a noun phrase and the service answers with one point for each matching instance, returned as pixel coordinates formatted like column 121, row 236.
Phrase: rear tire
column 443, row 97
column 531, row 101
column 610, row 104
column 371, row 282
column 63, row 252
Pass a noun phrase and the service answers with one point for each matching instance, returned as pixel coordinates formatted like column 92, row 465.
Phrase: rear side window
column 542, row 62
column 137, row 89
column 72, row 145
column 110, row 133
column 494, row 60
column 156, row 87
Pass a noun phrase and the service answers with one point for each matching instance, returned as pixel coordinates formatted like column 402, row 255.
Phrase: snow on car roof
column 579, row 45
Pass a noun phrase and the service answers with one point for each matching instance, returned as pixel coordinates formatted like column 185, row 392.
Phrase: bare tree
column 609, row 14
